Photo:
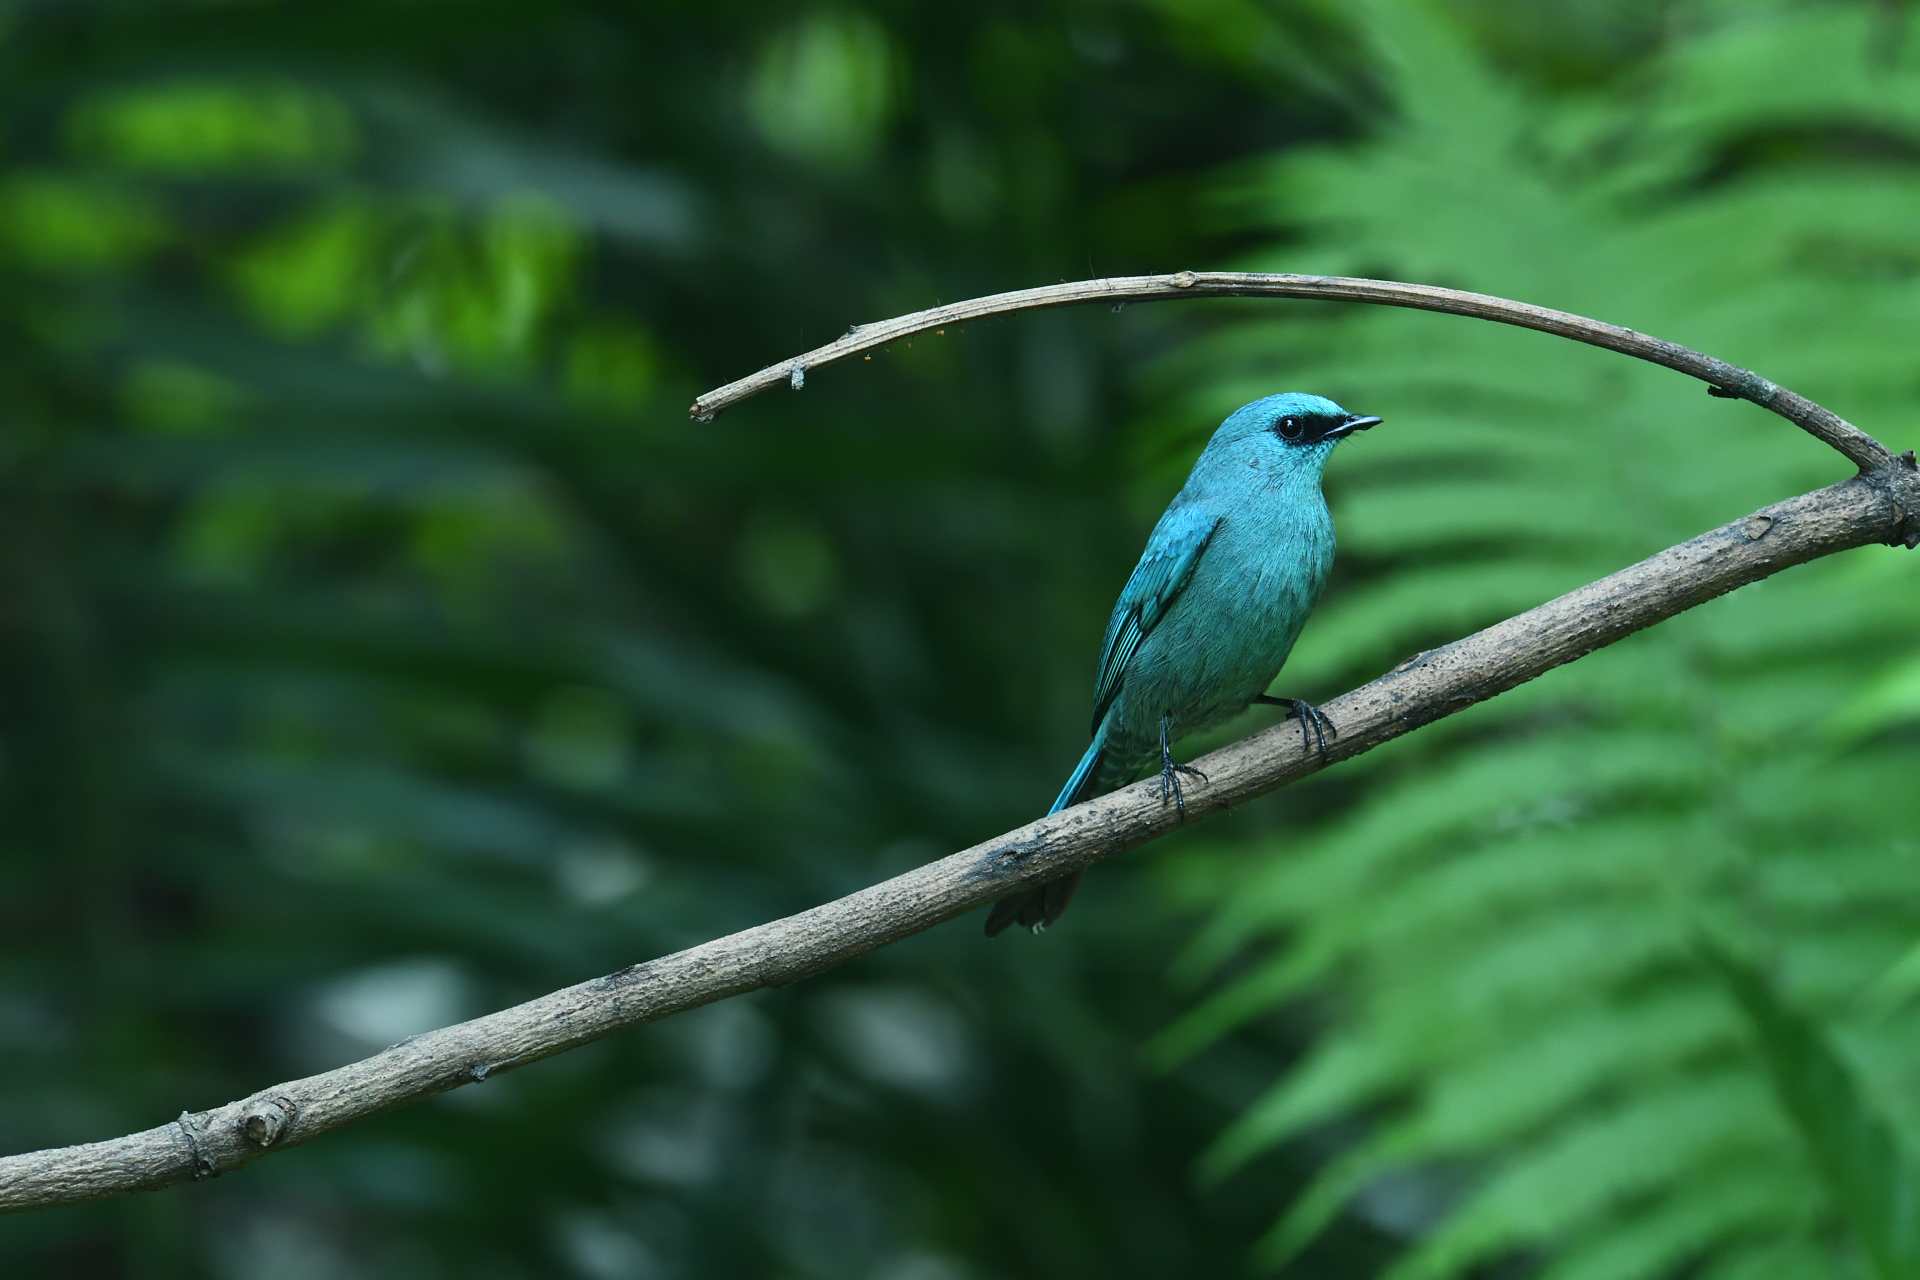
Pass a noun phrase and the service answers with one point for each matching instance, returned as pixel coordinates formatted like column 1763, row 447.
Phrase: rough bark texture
column 1729, row 380
column 1879, row 507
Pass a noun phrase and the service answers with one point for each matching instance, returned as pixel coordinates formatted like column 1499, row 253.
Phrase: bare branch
column 1856, row 445
column 1880, row 505
column 1877, row 507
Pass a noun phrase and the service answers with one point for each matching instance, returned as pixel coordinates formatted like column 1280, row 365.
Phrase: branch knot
column 1899, row 481
column 269, row 1120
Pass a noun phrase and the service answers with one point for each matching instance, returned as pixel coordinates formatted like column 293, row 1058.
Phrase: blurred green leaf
column 825, row 87
column 191, row 127
column 1870, row 1176
column 55, row 222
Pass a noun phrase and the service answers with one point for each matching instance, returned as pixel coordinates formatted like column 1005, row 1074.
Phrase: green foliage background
column 379, row 644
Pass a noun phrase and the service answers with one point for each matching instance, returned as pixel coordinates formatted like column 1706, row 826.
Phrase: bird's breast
column 1230, row 631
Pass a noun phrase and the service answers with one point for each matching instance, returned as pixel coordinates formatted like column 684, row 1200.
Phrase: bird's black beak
column 1355, row 423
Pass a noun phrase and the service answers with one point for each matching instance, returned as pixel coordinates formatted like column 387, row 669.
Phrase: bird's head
column 1291, row 433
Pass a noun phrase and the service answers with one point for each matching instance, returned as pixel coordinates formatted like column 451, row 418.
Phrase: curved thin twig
column 1731, row 380
column 1880, row 505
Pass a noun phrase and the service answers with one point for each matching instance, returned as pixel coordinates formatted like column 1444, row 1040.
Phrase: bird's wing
column 1164, row 569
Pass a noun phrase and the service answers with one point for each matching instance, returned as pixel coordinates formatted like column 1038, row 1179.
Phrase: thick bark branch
column 1731, row 380
column 1880, row 505
column 1871, row 508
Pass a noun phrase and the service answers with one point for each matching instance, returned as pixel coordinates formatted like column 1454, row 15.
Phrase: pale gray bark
column 1881, row 505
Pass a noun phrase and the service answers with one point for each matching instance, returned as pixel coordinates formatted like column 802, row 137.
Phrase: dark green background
column 380, row 644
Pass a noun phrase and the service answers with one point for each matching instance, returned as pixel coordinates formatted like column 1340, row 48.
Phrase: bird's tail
column 1038, row 907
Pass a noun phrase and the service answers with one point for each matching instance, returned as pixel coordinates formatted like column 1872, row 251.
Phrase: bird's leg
column 1315, row 728
column 1170, row 772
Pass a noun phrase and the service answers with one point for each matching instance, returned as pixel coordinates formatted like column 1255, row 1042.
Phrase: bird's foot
column 1315, row 727
column 1170, row 788
column 1171, row 770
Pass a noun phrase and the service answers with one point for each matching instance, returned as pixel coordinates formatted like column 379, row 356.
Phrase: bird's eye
column 1289, row 428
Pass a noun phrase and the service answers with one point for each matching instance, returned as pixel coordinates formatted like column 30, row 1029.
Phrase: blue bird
column 1203, row 626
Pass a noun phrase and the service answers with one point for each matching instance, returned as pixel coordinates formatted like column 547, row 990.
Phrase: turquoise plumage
column 1229, row 576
